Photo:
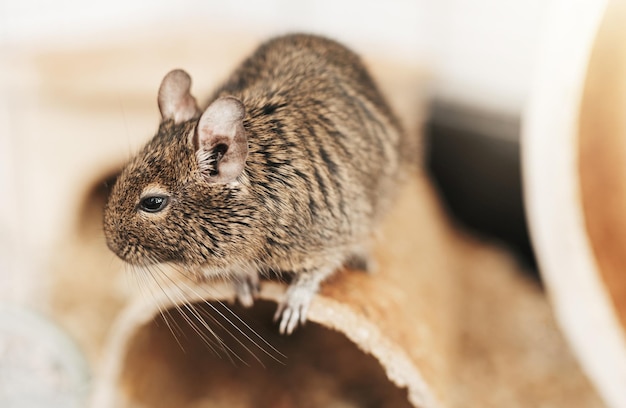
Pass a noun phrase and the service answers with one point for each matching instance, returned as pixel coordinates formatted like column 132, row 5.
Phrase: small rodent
column 289, row 168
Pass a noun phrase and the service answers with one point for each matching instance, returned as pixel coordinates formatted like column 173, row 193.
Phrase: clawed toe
column 293, row 309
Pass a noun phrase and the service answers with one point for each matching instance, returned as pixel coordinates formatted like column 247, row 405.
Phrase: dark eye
column 153, row 204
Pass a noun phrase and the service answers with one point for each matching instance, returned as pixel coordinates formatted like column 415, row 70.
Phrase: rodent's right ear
column 175, row 101
column 221, row 142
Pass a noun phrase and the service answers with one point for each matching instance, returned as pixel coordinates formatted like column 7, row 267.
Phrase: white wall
column 486, row 49
column 480, row 51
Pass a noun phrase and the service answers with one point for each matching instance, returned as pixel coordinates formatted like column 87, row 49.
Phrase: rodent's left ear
column 175, row 101
column 221, row 142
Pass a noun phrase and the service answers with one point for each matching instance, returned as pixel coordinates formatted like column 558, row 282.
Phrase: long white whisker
column 208, row 341
column 238, row 328
column 220, row 343
column 194, row 312
column 252, row 330
column 141, row 274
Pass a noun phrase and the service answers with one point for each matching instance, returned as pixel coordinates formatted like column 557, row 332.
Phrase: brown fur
column 324, row 156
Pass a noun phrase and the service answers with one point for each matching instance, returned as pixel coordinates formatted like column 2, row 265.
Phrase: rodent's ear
column 222, row 146
column 175, row 101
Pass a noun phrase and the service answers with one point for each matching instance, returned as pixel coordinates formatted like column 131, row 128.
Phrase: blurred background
column 477, row 57
column 479, row 52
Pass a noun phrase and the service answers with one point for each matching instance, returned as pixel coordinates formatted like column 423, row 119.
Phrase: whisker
column 237, row 327
column 208, row 341
column 217, row 321
column 225, row 348
column 197, row 312
column 253, row 332
column 141, row 274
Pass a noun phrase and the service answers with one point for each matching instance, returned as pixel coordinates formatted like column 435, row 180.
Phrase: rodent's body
column 323, row 159
column 323, row 149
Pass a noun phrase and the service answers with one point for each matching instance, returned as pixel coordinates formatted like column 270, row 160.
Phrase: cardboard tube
column 574, row 184
column 602, row 154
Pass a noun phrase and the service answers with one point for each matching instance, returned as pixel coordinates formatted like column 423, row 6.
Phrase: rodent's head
column 183, row 198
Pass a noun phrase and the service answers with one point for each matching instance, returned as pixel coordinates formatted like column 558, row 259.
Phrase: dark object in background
column 474, row 158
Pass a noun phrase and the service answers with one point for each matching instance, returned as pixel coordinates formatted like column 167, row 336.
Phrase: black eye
column 153, row 204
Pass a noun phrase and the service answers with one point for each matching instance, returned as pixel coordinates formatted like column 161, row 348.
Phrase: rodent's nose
column 118, row 242
column 113, row 241
column 114, row 235
column 124, row 244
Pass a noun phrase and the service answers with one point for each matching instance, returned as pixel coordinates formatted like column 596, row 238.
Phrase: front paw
column 247, row 289
column 294, row 307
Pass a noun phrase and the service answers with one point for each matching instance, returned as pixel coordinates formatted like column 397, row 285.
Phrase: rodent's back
column 324, row 146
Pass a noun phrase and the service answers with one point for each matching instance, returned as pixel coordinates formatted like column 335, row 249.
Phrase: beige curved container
column 574, row 158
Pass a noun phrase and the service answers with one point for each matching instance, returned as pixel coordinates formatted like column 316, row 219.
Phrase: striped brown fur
column 324, row 159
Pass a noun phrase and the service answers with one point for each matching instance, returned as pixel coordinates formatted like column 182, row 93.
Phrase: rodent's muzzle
column 119, row 240
column 126, row 250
